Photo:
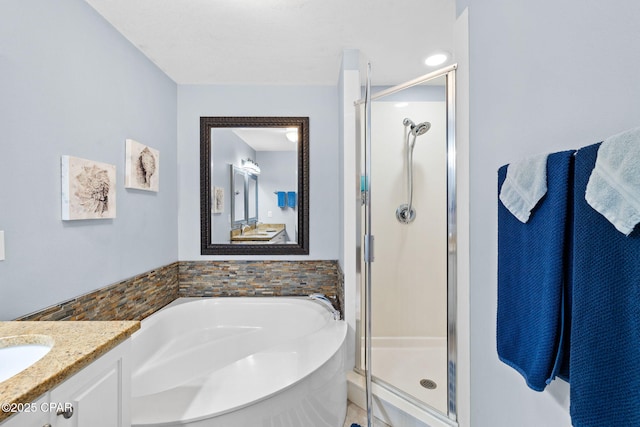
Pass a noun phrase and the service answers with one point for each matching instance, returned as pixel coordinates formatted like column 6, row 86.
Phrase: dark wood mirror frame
column 302, row 245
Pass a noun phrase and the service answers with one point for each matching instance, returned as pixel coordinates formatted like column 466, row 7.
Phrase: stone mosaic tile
column 258, row 278
column 340, row 290
column 142, row 295
column 130, row 299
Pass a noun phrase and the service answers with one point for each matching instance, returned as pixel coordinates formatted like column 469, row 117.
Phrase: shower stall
column 406, row 337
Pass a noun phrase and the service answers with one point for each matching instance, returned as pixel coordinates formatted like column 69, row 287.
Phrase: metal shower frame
column 367, row 253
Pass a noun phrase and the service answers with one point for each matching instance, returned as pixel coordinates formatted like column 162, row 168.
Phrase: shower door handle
column 368, row 248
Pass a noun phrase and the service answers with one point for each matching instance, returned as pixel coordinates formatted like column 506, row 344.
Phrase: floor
column 357, row 415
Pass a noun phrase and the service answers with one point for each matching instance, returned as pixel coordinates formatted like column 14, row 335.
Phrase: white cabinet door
column 97, row 396
column 34, row 414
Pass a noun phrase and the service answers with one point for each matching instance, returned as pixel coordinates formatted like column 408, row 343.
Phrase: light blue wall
column 279, row 173
column 319, row 103
column 545, row 76
column 71, row 85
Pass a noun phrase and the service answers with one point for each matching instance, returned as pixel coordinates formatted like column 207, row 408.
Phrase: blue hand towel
column 605, row 330
column 291, row 199
column 531, row 274
column 282, row 199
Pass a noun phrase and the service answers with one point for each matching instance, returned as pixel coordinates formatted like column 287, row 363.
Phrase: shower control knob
column 404, row 215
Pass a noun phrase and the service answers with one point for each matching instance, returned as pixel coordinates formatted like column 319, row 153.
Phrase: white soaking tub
column 240, row 362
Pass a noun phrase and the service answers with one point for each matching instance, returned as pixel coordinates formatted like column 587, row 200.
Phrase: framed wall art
column 218, row 200
column 142, row 167
column 88, row 189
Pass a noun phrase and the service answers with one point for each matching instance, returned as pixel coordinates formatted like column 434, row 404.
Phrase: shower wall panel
column 409, row 272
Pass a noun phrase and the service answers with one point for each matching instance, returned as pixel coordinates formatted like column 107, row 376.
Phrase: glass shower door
column 407, row 196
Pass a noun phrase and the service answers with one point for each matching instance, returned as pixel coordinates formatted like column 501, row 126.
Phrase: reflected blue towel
column 531, row 274
column 605, row 330
column 282, row 199
column 291, row 199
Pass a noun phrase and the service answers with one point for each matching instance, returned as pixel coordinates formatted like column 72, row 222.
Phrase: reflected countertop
column 259, row 233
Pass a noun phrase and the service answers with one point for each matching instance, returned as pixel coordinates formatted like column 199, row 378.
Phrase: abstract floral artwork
column 88, row 189
column 142, row 167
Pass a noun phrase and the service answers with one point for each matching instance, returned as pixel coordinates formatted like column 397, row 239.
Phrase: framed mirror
column 254, row 185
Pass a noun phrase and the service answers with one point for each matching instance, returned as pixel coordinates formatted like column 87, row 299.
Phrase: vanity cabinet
column 33, row 416
column 97, row 396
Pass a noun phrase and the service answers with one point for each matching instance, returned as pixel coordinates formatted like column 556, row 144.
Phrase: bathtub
column 239, row 362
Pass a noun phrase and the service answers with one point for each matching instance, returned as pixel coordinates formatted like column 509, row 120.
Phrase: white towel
column 614, row 185
column 524, row 186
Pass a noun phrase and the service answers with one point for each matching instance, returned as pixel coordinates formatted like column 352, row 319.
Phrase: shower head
column 417, row 129
column 405, row 213
column 420, row 128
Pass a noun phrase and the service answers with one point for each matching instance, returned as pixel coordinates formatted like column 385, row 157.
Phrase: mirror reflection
column 253, row 185
column 238, row 196
column 252, row 197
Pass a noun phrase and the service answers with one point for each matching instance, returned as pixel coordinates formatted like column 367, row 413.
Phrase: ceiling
column 297, row 42
column 267, row 139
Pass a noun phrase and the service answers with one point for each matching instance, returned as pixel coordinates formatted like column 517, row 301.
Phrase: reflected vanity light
column 250, row 166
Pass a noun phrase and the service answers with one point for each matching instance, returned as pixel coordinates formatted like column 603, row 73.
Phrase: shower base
column 404, row 363
column 399, row 364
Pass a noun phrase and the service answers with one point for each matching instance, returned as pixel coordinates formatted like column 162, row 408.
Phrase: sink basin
column 17, row 353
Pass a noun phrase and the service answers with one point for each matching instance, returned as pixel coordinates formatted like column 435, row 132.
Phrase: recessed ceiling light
column 436, row 59
column 401, row 104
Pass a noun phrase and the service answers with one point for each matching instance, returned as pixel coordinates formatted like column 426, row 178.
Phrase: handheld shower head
column 417, row 129
column 420, row 128
column 405, row 213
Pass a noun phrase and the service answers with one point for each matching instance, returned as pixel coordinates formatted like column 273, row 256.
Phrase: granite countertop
column 75, row 345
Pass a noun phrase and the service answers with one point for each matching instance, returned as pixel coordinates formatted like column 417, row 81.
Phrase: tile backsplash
column 130, row 299
column 257, row 278
column 144, row 294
